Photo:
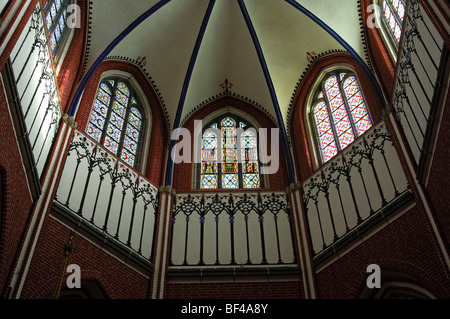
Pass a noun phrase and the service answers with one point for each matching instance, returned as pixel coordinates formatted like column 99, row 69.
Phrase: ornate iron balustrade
column 109, row 195
column 363, row 182
column 419, row 66
column 34, row 74
column 232, row 229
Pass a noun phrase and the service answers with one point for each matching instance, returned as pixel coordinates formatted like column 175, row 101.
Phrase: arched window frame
column 141, row 106
column 52, row 22
column 218, row 118
column 386, row 32
column 319, row 86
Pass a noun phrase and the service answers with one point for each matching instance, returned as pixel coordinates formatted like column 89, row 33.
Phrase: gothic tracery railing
column 232, row 229
column 34, row 75
column 106, row 193
column 420, row 66
column 362, row 183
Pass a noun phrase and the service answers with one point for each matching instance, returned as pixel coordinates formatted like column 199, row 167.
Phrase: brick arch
column 184, row 172
column 159, row 130
column 300, row 139
column 405, row 271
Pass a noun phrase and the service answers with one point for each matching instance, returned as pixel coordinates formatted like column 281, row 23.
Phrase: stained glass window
column 339, row 113
column 55, row 18
column 116, row 121
column 393, row 16
column 230, row 158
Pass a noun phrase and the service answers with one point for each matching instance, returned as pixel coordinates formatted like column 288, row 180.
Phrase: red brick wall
column 406, row 245
column 299, row 137
column 117, row 280
column 183, row 173
column 243, row 290
column 159, row 134
column 437, row 187
column 16, row 200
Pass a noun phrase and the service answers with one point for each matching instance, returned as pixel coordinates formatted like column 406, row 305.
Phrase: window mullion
column 124, row 129
column 108, row 114
column 347, row 106
column 332, row 121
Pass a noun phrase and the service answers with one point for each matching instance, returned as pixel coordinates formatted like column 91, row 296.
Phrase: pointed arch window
column 393, row 16
column 229, row 162
column 56, row 21
column 117, row 120
column 339, row 114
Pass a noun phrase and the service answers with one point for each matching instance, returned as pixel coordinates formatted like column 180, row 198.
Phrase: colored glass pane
column 363, row 125
column 104, row 94
column 49, row 20
column 355, row 101
column 343, row 126
column 326, row 139
column 94, row 132
column 123, row 89
column 54, row 10
column 230, row 181
column 230, row 172
column 209, row 167
column 116, row 120
column 119, row 109
column 58, row 4
column 128, row 157
column 97, row 120
column 359, row 113
column 53, row 42
column 351, row 86
column 401, row 11
column 394, row 14
column 336, row 103
column 332, row 87
column 116, row 126
column 111, row 145
column 228, row 122
column 100, row 108
column 132, row 132
column 121, row 98
column 341, row 117
column 357, row 105
column 130, row 144
column 135, row 121
column 114, row 132
column 346, row 139
column 340, row 114
column 209, row 140
column 324, row 127
column 209, row 182
column 249, row 139
column 251, row 181
column 136, row 112
column 321, row 112
column 329, row 152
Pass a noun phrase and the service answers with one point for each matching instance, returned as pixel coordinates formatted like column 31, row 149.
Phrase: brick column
column 301, row 240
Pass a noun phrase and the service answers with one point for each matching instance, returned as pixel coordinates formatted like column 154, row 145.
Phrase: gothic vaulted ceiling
column 190, row 47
